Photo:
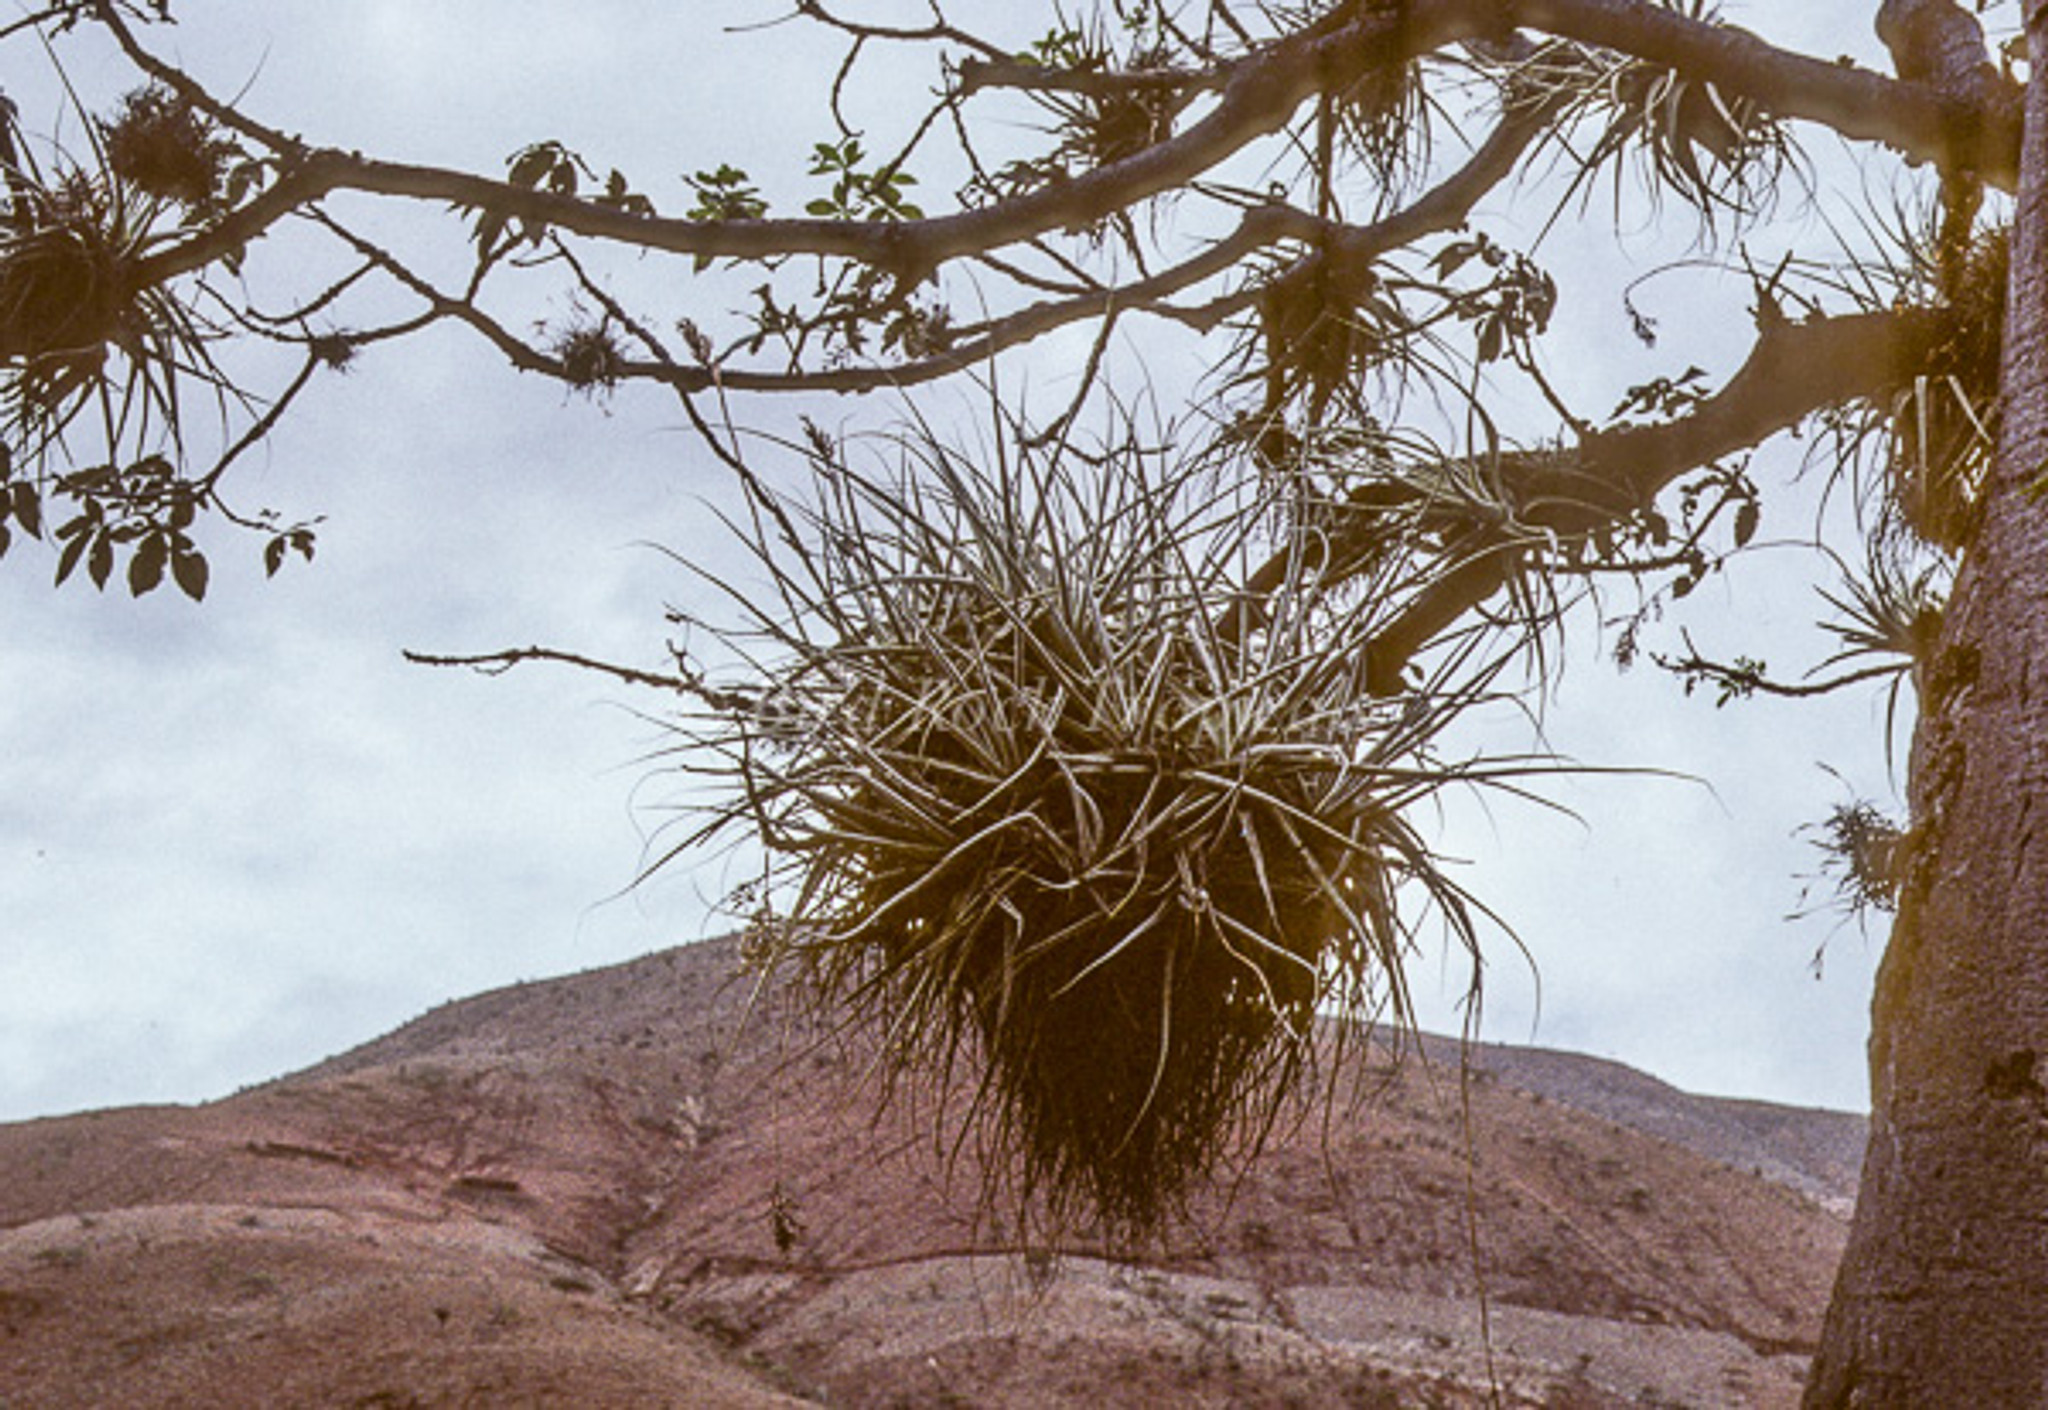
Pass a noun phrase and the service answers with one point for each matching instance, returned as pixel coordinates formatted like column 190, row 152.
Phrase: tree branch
column 1022, row 76
column 1342, row 250
column 936, row 32
column 1937, row 42
column 1794, row 370
column 1344, row 253
column 1739, row 679
column 1262, row 94
column 1918, row 121
column 498, row 662
column 183, row 84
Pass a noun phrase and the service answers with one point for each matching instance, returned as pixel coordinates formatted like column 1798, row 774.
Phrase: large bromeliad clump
column 1044, row 803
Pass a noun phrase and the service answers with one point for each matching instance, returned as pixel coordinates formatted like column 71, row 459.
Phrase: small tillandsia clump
column 162, row 146
column 592, row 361
column 1037, row 811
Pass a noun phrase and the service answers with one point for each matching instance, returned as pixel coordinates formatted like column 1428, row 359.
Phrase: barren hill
column 626, row 1188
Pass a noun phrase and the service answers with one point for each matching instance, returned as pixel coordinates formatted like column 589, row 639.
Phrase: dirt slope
column 570, row 1193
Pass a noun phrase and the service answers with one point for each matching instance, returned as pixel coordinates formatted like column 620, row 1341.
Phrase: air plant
column 1043, row 806
column 1861, row 849
column 1888, row 620
column 590, row 356
column 1096, row 129
column 1918, row 452
column 82, row 326
column 1944, row 422
column 163, row 147
column 1662, row 119
column 1320, row 340
column 1866, row 856
column 1380, row 119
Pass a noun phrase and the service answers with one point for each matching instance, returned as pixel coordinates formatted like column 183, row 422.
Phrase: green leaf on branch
column 68, row 558
column 724, row 194
column 548, row 163
column 543, row 166
column 857, row 194
column 26, row 506
column 298, row 540
column 146, row 568
column 620, row 195
column 188, row 567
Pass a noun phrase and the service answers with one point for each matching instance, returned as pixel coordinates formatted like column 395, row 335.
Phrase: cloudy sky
column 238, row 837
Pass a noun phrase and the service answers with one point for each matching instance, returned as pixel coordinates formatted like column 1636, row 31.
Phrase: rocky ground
column 633, row 1187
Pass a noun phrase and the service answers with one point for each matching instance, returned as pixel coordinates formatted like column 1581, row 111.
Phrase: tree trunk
column 1942, row 1298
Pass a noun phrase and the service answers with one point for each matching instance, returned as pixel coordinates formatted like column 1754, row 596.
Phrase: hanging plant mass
column 1041, row 805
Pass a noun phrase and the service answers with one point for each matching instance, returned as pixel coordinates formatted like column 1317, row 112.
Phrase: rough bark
column 1942, row 1297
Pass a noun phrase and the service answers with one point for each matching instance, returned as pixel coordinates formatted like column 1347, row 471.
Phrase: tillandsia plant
column 84, row 331
column 1046, row 805
column 106, row 353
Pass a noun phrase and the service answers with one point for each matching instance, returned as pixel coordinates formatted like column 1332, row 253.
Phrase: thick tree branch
column 1342, row 251
column 1920, row 122
column 1261, row 95
column 301, row 184
column 1794, row 370
column 1937, row 42
column 1258, row 100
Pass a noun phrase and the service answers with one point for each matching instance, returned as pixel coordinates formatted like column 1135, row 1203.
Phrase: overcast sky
column 238, row 837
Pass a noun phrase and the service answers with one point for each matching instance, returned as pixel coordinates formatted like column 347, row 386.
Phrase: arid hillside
column 632, row 1187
